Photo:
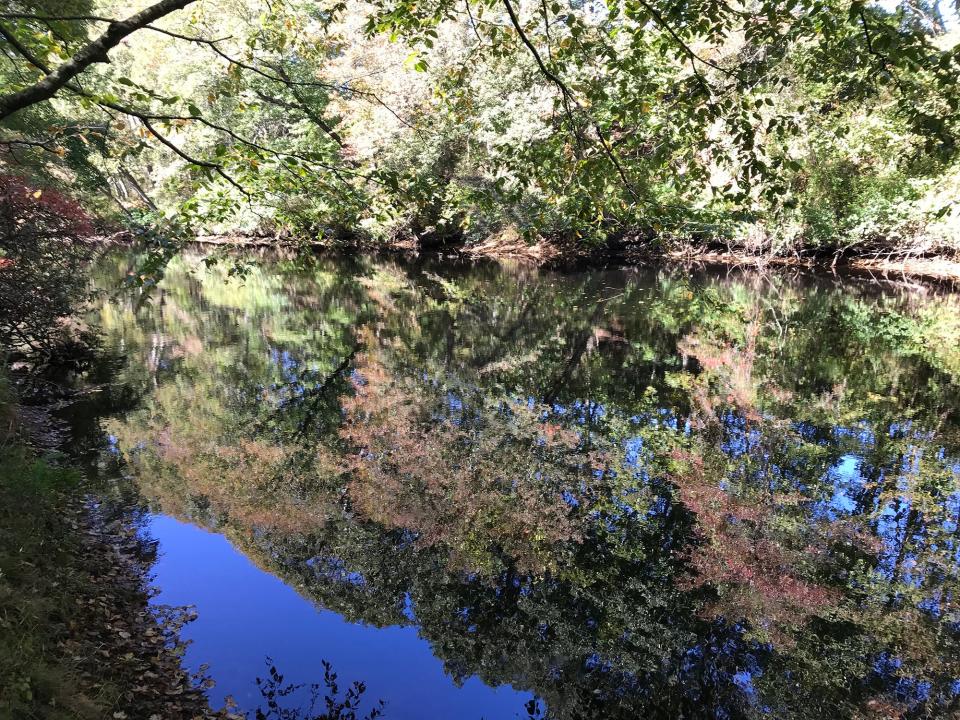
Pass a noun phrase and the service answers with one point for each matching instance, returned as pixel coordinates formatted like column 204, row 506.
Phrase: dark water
column 497, row 493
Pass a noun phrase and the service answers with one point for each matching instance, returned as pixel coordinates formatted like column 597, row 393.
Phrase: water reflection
column 245, row 614
column 631, row 494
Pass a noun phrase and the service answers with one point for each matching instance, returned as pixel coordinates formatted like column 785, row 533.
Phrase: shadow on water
column 612, row 494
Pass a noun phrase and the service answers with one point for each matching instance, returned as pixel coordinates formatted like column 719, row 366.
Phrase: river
column 487, row 491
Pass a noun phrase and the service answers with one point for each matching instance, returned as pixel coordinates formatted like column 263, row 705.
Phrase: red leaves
column 743, row 554
column 28, row 210
column 45, row 236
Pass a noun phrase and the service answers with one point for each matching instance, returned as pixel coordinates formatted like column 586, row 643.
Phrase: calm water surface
column 492, row 493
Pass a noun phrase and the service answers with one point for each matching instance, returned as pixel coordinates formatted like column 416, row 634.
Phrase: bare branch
column 279, row 76
column 11, row 143
column 307, row 110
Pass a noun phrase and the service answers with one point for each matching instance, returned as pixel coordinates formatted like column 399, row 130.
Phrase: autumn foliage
column 45, row 237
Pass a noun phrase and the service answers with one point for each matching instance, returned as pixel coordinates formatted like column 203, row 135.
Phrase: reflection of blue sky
column 849, row 481
column 297, row 376
column 846, row 483
column 246, row 614
column 745, row 440
column 729, row 659
column 334, row 570
column 910, row 691
column 890, row 523
column 762, row 460
column 740, row 438
column 289, row 366
column 861, row 433
column 632, row 447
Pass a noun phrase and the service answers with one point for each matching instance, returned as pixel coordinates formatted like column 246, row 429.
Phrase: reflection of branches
column 579, row 347
column 318, row 393
column 327, row 696
column 509, row 336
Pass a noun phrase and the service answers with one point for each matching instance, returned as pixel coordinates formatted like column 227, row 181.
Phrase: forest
column 800, row 129
column 434, row 359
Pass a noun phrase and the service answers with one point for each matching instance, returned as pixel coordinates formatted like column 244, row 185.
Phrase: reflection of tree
column 284, row 700
column 443, row 467
column 739, row 497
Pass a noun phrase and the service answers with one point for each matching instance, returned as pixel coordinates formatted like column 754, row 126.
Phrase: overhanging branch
column 568, row 97
column 90, row 54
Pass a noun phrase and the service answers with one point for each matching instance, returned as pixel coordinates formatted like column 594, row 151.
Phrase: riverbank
column 941, row 264
column 940, row 268
column 78, row 636
column 936, row 269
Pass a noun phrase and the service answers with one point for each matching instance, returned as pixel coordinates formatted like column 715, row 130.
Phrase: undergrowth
column 39, row 581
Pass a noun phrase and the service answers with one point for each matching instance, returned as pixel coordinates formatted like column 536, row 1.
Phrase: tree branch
column 94, row 52
column 694, row 58
column 23, row 50
column 307, row 110
column 218, row 169
column 568, row 96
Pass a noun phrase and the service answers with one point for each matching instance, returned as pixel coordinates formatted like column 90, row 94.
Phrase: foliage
column 33, row 604
column 816, row 124
column 43, row 246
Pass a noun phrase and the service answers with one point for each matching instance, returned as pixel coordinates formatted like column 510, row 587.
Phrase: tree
column 44, row 240
column 33, row 33
column 557, row 118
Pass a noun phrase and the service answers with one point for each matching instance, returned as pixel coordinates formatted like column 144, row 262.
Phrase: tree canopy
column 819, row 124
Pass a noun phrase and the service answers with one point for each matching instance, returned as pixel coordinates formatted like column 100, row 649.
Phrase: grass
column 40, row 577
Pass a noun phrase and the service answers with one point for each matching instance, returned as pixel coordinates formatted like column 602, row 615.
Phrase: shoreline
column 82, row 638
column 935, row 269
